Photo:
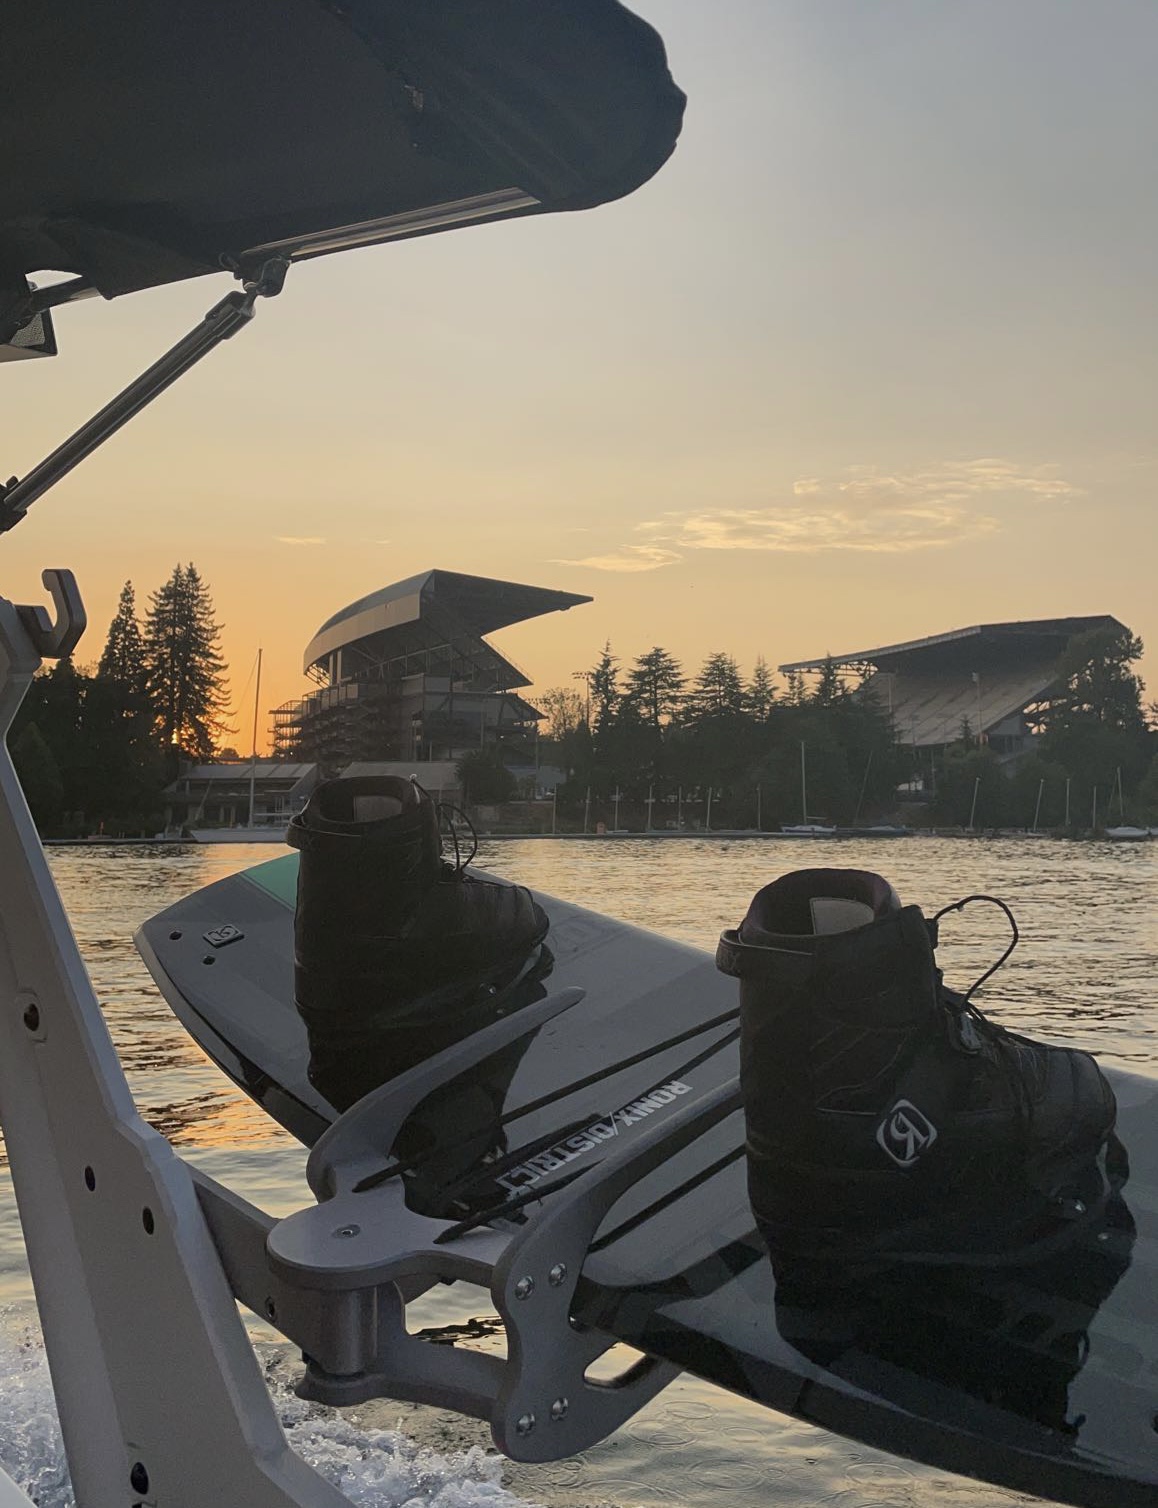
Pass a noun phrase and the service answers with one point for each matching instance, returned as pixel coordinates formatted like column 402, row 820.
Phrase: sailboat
column 1125, row 832
column 272, row 830
column 806, row 828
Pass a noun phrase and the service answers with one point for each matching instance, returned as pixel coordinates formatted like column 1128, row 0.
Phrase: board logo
column 607, row 1129
column 905, row 1133
column 222, row 936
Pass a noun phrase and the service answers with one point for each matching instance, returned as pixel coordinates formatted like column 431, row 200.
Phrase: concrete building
column 995, row 677
column 407, row 674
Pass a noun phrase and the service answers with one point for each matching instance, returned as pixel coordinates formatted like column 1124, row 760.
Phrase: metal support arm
column 222, row 322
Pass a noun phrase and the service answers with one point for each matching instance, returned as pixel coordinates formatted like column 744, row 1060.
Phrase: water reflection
column 1013, row 1337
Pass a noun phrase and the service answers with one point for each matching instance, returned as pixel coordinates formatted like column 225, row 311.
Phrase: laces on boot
column 973, row 1029
column 960, row 905
column 450, row 817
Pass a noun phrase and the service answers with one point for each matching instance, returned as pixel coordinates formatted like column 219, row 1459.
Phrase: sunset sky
column 874, row 356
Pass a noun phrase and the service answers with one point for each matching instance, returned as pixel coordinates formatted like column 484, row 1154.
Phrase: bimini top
column 1035, row 639
column 140, row 144
column 430, row 609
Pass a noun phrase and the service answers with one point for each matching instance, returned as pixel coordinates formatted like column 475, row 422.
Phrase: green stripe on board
column 278, row 877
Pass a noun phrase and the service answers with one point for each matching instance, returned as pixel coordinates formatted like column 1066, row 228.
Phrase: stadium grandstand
column 993, row 680
column 407, row 674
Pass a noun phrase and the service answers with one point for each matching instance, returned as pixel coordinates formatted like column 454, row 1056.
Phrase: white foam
column 375, row 1468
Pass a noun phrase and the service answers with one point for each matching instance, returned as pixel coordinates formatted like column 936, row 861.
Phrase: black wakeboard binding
column 397, row 951
column 887, row 1120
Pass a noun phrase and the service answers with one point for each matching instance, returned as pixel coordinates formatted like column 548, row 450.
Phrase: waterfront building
column 993, row 679
column 408, row 675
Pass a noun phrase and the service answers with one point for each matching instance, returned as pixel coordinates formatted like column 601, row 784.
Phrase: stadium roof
column 429, row 610
column 1036, row 639
column 982, row 675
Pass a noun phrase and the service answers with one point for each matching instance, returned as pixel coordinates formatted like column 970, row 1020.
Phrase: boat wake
column 379, row 1467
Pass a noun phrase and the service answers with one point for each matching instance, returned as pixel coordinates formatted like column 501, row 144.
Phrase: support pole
column 128, row 1282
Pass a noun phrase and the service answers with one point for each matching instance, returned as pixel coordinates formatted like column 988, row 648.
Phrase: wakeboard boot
column 887, row 1120
column 397, row 952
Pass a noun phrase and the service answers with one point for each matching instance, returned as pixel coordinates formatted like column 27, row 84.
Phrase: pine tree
column 123, row 658
column 184, row 670
column 603, row 684
column 761, row 691
column 718, row 691
column 655, row 687
column 829, row 688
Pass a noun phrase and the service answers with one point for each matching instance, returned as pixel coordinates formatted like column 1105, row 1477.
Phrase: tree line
column 648, row 742
column 95, row 746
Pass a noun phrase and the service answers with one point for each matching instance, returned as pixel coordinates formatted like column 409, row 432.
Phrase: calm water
column 1084, row 973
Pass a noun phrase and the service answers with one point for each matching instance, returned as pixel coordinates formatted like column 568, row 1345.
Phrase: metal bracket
column 221, row 323
column 56, row 641
column 335, row 1278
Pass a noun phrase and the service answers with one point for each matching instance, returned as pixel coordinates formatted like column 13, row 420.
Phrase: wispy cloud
column 873, row 511
column 628, row 558
column 863, row 508
column 299, row 539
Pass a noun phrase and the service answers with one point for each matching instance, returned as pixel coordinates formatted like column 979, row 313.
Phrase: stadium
column 991, row 680
column 407, row 674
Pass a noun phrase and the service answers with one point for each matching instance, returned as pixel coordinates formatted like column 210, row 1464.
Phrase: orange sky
column 872, row 357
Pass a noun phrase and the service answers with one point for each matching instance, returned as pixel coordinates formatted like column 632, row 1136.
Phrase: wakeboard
column 1042, row 1378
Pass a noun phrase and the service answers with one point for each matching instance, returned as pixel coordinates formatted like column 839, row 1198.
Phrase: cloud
column 628, row 558
column 299, row 539
column 867, row 510
column 862, row 509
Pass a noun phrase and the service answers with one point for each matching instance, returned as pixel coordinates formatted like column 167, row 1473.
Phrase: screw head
column 524, row 1288
column 525, row 1423
column 559, row 1409
column 344, row 1232
column 557, row 1274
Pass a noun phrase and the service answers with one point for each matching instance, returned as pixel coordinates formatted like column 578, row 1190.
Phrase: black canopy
column 143, row 141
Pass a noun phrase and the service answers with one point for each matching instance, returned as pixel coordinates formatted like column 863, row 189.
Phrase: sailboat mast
column 253, row 761
column 803, row 787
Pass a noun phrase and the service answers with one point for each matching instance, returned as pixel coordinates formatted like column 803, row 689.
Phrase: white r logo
column 905, row 1133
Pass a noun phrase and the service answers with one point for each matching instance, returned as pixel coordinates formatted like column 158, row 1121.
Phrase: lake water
column 1084, row 974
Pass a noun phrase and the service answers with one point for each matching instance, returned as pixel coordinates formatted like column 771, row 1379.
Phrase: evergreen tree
column 123, row 658
column 184, row 670
column 40, row 778
column 717, row 692
column 761, row 691
column 829, row 688
column 1095, row 725
column 603, row 684
column 1096, row 686
column 655, row 687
